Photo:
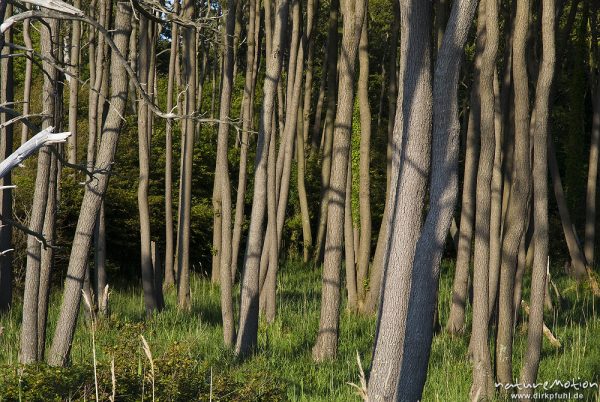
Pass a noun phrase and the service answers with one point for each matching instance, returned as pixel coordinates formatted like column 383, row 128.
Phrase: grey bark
column 144, row 44
column 540, row 199
column 188, row 53
column 592, row 180
column 6, row 143
column 171, row 85
column 327, row 338
column 27, row 79
column 248, row 327
column 94, row 192
column 74, row 87
column 29, row 326
column 520, row 193
column 364, row 249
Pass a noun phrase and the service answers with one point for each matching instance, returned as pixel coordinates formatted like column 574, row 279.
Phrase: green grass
column 190, row 360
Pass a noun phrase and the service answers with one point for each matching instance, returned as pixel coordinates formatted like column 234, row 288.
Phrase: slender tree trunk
column 247, row 114
column 188, row 54
column 169, row 252
column 349, row 239
column 309, row 44
column 520, row 193
column 92, row 199
column 364, row 249
column 332, row 54
column 482, row 386
column 47, row 258
column 144, row 44
column 590, row 209
column 74, row 87
column 540, row 199
column 6, row 141
column 326, row 344
column 248, row 328
column 303, row 198
column 27, row 79
column 460, row 286
column 224, row 182
column 29, row 327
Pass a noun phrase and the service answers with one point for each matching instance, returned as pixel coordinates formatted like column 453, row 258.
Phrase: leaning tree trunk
column 94, row 192
column 326, row 343
column 540, row 200
column 29, row 327
column 443, row 194
column 248, row 327
column 519, row 195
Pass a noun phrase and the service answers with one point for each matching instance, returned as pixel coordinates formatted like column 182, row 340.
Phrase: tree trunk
column 29, row 327
column 326, row 343
column 332, row 60
column 74, row 87
column 303, row 199
column 592, row 180
column 248, row 328
column 519, row 196
column 349, row 240
column 188, row 53
column 92, row 199
column 27, row 79
column 144, row 44
column 364, row 249
column 482, row 386
column 224, row 182
column 171, row 85
column 540, row 200
column 6, row 144
column 247, row 126
column 456, row 320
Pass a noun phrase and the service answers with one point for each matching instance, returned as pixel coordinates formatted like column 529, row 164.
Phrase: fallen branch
column 547, row 333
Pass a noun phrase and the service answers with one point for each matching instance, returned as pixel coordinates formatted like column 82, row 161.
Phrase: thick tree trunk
column 94, row 192
column 409, row 173
column 326, row 343
column 248, row 328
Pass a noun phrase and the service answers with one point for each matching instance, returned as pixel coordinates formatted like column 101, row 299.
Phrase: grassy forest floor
column 191, row 364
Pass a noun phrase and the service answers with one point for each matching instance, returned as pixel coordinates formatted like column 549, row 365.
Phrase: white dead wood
column 43, row 138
